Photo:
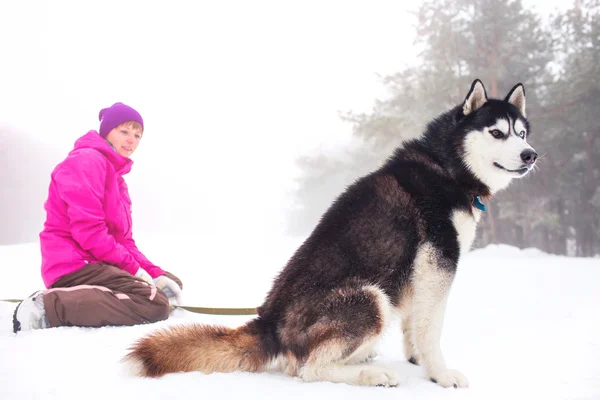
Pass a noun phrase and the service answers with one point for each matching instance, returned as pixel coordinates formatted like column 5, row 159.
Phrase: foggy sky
column 231, row 93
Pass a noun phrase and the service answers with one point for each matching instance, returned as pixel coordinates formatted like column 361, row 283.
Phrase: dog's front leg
column 431, row 282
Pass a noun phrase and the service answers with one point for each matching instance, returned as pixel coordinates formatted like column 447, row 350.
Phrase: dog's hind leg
column 352, row 322
column 431, row 283
column 405, row 308
column 410, row 352
column 365, row 353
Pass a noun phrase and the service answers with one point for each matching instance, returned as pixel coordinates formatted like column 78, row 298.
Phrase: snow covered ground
column 520, row 324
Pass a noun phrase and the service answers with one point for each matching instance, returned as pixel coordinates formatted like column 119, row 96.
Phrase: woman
column 92, row 269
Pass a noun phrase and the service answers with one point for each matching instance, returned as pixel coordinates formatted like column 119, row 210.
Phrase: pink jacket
column 89, row 213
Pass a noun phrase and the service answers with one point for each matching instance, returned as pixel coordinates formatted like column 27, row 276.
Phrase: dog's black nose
column 529, row 156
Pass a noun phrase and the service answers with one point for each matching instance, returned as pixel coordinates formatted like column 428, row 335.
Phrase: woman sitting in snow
column 94, row 273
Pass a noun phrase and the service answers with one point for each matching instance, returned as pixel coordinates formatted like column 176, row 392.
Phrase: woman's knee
column 160, row 309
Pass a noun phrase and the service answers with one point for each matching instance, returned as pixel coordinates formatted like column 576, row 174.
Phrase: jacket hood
column 92, row 140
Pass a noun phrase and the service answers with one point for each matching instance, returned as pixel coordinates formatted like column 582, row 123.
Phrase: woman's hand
column 170, row 287
column 141, row 273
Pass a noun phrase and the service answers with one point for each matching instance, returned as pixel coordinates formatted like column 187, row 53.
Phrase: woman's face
column 125, row 139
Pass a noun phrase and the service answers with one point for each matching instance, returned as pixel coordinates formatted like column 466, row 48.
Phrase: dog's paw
column 377, row 376
column 413, row 360
column 362, row 358
column 450, row 378
column 371, row 356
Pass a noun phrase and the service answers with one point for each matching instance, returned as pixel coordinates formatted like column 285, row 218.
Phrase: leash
column 197, row 310
column 219, row 311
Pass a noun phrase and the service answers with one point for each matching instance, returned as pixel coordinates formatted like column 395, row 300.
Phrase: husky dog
column 389, row 244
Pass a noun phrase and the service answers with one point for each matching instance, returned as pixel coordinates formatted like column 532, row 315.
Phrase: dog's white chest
column 466, row 226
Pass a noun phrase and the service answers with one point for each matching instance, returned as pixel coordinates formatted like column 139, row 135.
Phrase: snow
column 519, row 324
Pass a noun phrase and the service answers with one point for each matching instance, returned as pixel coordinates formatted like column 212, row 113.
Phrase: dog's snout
column 529, row 156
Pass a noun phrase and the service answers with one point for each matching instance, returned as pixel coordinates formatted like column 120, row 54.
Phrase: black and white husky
column 391, row 242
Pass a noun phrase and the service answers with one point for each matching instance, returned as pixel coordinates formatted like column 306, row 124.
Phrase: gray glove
column 141, row 273
column 171, row 289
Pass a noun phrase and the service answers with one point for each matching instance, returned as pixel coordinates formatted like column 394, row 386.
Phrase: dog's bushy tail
column 203, row 348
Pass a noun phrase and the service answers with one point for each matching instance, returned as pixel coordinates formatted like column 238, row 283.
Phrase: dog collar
column 478, row 204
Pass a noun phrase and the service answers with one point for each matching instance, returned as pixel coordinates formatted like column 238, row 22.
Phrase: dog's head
column 495, row 136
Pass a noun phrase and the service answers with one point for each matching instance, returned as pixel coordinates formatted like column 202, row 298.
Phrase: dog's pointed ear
column 476, row 98
column 516, row 97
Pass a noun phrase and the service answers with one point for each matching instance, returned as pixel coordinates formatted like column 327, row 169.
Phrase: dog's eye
column 522, row 134
column 496, row 133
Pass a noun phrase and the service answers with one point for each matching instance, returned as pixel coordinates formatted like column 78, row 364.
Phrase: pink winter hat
column 116, row 115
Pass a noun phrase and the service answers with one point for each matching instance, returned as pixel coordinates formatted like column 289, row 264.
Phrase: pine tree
column 497, row 41
column 572, row 129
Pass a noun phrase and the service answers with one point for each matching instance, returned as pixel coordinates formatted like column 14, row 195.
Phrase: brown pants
column 100, row 295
